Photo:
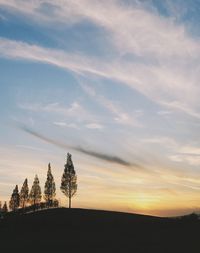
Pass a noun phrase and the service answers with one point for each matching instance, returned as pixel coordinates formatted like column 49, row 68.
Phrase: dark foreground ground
column 78, row 230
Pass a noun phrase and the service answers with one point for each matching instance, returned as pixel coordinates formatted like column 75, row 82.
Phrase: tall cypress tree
column 14, row 201
column 50, row 187
column 69, row 179
column 24, row 194
column 35, row 193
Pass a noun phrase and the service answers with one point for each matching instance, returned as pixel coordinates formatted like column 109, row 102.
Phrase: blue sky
column 108, row 81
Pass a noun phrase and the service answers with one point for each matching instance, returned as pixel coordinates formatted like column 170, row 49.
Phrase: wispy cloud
column 30, row 147
column 168, row 83
column 162, row 140
column 60, row 124
column 120, row 116
column 94, row 126
column 74, row 110
column 106, row 157
column 178, row 106
column 162, row 66
column 187, row 154
column 20, row 50
column 164, row 112
column 121, row 20
column 64, row 124
column 99, row 155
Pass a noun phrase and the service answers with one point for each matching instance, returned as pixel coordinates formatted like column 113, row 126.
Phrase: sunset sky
column 116, row 84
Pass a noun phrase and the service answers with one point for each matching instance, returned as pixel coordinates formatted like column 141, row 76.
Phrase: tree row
column 31, row 200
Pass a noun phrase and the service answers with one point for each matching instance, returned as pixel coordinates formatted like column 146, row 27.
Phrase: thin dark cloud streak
column 99, row 155
column 104, row 157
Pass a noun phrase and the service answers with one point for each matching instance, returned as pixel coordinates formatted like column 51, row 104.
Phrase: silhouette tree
column 69, row 179
column 50, row 187
column 24, row 194
column 5, row 208
column 35, row 193
column 14, row 201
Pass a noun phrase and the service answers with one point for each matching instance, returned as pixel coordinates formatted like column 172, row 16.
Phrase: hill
column 80, row 230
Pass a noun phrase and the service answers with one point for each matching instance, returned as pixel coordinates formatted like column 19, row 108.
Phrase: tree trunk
column 70, row 202
column 23, row 207
column 70, row 187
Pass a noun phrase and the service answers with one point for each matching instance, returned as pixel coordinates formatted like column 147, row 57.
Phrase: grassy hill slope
column 79, row 230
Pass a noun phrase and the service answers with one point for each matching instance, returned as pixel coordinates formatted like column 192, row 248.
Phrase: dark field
column 79, row 230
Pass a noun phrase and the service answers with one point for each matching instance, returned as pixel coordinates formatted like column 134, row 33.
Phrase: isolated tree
column 35, row 193
column 50, row 187
column 5, row 208
column 24, row 194
column 14, row 201
column 69, row 179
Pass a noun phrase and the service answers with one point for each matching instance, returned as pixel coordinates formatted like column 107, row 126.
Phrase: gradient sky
column 115, row 83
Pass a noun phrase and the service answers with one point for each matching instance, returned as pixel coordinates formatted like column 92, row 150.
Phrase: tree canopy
column 69, row 179
column 24, row 194
column 50, row 187
column 35, row 193
column 14, row 201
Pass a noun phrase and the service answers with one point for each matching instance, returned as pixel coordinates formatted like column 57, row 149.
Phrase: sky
column 114, row 83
